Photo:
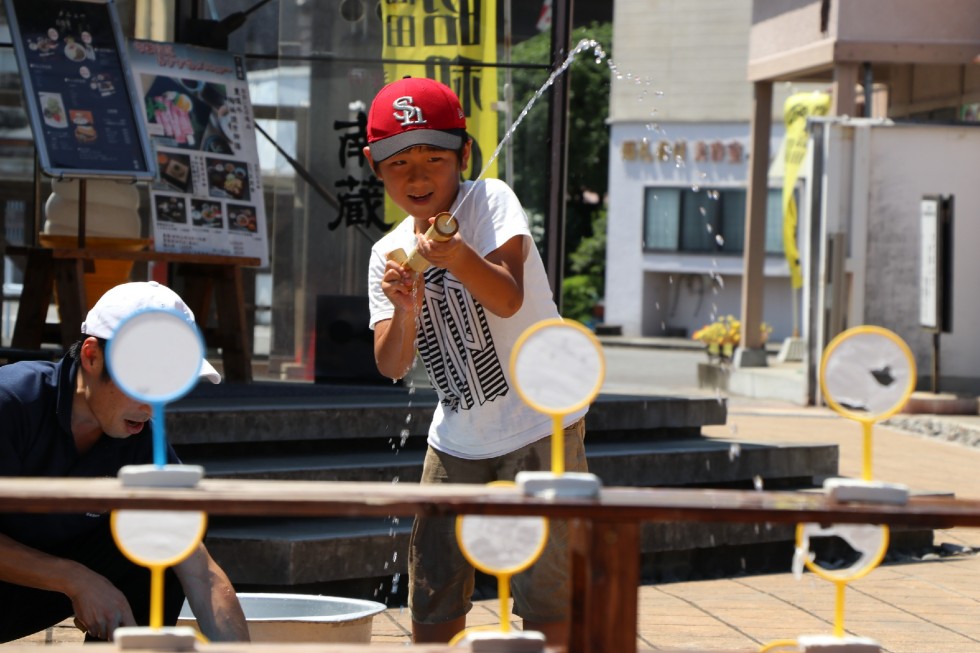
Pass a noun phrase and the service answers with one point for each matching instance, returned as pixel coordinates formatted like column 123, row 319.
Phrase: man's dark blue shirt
column 36, row 440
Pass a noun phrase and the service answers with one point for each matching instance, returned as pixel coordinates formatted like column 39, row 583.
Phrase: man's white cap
column 120, row 302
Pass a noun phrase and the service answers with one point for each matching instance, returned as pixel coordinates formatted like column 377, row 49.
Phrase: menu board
column 78, row 89
column 208, row 195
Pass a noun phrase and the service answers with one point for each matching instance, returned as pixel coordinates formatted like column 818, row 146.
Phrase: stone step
column 634, row 463
column 290, row 553
column 281, row 412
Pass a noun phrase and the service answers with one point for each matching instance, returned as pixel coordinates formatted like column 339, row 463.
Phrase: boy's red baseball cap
column 414, row 111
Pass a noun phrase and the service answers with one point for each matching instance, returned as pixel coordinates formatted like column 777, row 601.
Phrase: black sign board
column 78, row 89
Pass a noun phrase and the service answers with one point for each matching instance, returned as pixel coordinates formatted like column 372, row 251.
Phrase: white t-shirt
column 466, row 348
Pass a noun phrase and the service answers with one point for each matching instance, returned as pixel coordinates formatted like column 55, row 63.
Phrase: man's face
column 117, row 414
column 423, row 180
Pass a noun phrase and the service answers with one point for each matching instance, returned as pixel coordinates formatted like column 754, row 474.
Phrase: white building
column 678, row 168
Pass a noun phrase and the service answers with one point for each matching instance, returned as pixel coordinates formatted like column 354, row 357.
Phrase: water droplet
column 695, row 188
column 404, row 434
column 757, row 482
column 707, row 464
column 386, row 565
column 720, row 240
column 733, row 428
column 656, row 305
column 711, row 540
column 659, row 93
column 703, row 211
column 742, row 562
column 734, row 451
column 394, row 558
column 408, row 418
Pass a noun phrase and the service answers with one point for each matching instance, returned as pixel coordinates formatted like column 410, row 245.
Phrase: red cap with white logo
column 414, row 111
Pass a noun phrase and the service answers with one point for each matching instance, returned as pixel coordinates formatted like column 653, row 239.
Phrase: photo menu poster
column 78, row 89
column 207, row 197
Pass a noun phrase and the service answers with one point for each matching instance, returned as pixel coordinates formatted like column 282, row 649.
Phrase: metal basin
column 302, row 618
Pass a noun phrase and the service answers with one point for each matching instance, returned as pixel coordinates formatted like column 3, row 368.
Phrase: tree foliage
column 588, row 106
column 588, row 160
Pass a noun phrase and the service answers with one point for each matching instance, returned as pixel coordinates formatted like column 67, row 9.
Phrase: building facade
column 680, row 114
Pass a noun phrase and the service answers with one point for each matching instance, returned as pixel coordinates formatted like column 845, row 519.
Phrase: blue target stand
column 155, row 356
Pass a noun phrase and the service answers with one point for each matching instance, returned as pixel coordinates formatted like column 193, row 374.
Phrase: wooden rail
column 605, row 532
column 296, row 648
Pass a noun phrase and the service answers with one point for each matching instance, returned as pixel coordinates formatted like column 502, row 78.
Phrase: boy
column 486, row 286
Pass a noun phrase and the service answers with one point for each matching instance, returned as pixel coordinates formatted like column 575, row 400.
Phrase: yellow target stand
column 501, row 546
column 157, row 539
column 558, row 368
column 867, row 374
column 871, row 542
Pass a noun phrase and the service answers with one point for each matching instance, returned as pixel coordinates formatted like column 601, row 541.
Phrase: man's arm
column 212, row 598
column 98, row 604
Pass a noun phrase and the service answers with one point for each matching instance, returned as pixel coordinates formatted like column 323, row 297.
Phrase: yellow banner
column 446, row 38
column 796, row 110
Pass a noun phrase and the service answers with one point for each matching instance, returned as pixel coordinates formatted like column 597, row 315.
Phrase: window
column 705, row 220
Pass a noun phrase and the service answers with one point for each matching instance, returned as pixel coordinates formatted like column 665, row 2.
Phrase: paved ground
column 915, row 606
column 922, row 606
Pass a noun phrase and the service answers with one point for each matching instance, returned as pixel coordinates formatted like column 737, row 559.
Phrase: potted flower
column 723, row 335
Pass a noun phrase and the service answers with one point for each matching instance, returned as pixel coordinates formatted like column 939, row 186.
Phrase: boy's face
column 423, row 180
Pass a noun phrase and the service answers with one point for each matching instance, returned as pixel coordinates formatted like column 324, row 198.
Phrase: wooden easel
column 206, row 275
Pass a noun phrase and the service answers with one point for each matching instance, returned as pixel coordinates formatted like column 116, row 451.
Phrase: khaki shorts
column 440, row 579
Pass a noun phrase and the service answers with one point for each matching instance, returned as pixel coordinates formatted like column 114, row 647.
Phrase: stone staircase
column 377, row 433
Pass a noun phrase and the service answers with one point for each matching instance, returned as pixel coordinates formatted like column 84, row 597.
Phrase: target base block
column 848, row 489
column 171, row 638
column 160, row 476
column 568, row 485
column 831, row 644
column 528, row 641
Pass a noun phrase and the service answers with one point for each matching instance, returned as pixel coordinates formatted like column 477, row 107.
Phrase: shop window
column 705, row 220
